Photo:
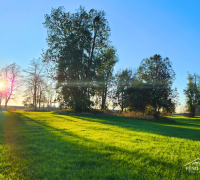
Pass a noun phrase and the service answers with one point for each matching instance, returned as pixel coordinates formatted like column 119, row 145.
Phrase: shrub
column 11, row 109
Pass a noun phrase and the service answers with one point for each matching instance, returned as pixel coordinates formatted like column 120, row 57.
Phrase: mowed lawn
column 46, row 145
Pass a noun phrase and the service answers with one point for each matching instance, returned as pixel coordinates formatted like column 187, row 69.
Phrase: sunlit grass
column 38, row 145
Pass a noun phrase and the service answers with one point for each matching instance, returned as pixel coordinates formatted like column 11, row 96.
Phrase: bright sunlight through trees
column 1, row 85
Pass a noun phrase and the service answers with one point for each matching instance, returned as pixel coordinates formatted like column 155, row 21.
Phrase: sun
column 1, row 84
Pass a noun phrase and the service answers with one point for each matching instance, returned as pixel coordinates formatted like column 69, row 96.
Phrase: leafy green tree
column 105, row 64
column 192, row 94
column 138, row 96
column 76, row 41
column 124, row 79
column 157, row 74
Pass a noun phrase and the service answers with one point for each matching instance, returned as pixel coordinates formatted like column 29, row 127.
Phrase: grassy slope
column 35, row 145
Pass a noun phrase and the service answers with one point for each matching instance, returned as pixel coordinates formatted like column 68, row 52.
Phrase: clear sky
column 139, row 29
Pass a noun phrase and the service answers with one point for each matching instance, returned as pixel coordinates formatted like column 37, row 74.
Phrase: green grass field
column 46, row 145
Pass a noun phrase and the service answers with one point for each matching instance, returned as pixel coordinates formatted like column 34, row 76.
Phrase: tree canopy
column 192, row 94
column 124, row 80
column 77, row 42
column 154, row 88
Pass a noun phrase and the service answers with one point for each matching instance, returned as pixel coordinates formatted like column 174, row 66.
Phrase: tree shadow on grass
column 53, row 153
column 1, row 130
column 180, row 128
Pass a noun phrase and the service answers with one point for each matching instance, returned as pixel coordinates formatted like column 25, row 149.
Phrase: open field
column 45, row 145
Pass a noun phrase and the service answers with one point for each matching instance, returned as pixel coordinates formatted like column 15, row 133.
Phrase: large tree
column 75, row 43
column 157, row 74
column 192, row 94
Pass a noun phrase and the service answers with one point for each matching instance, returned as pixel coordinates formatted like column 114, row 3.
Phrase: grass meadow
column 46, row 145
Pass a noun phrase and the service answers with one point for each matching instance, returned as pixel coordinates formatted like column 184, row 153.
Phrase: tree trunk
column 122, row 102
column 103, row 101
column 40, row 98
column 0, row 101
column 6, row 100
column 6, row 105
column 35, row 88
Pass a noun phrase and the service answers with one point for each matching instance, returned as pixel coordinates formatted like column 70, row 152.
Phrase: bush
column 11, row 109
column 187, row 114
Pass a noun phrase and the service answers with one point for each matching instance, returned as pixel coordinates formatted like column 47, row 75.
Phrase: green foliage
column 138, row 97
column 156, row 75
column 105, row 65
column 192, row 94
column 77, row 42
column 124, row 79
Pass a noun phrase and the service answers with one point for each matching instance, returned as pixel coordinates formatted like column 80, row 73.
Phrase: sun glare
column 1, row 85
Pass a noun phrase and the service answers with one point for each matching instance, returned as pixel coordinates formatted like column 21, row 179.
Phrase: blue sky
column 139, row 29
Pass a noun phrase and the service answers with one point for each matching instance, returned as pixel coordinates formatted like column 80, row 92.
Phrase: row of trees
column 80, row 61
column 39, row 88
column 83, row 57
column 32, row 83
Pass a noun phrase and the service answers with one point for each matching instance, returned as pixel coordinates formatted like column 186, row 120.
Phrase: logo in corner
column 193, row 166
